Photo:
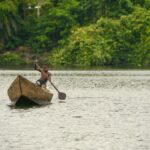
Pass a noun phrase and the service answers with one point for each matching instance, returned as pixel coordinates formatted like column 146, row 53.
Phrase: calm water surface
column 104, row 110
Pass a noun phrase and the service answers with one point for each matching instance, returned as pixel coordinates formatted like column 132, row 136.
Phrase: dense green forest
column 75, row 32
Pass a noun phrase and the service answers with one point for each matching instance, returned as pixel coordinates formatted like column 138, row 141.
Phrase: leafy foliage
column 124, row 41
column 79, row 32
column 8, row 19
column 11, row 59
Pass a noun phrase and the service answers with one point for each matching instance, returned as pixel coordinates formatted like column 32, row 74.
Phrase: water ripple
column 104, row 110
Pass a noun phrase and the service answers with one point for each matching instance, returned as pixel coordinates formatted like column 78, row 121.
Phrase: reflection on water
column 104, row 110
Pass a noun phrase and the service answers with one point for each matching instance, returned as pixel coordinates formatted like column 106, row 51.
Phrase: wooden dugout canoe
column 24, row 92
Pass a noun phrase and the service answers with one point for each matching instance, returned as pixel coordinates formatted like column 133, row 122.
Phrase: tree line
column 78, row 32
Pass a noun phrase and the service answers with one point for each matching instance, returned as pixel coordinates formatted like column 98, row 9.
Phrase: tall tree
column 8, row 19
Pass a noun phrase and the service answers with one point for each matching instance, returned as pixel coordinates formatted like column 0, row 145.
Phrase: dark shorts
column 40, row 82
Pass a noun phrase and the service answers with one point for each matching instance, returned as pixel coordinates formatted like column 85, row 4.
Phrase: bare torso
column 45, row 75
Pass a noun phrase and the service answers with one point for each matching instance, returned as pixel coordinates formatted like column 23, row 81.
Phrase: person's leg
column 44, row 88
column 38, row 83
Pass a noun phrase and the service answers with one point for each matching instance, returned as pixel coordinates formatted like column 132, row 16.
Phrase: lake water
column 104, row 110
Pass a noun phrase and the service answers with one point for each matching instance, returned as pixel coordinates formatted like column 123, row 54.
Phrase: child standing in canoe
column 45, row 75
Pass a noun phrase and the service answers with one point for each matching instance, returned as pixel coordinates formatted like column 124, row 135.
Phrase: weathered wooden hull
column 24, row 92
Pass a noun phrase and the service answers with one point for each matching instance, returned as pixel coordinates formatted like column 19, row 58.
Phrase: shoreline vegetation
column 20, row 64
column 77, row 34
column 21, row 60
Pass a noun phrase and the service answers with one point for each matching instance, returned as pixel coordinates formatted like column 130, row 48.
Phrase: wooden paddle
column 61, row 95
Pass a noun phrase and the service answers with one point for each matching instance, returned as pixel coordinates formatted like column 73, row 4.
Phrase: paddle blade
column 62, row 96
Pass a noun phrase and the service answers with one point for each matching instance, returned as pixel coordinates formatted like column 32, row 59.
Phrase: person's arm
column 38, row 68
